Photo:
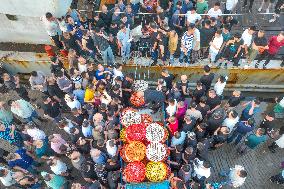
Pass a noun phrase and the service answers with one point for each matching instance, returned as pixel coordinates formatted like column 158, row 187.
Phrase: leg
column 231, row 138
column 261, row 57
column 188, row 57
column 250, row 4
column 273, row 147
column 181, row 57
column 262, row 3
column 172, row 59
column 245, row 3
column 110, row 55
column 57, row 42
column 123, row 53
column 128, row 50
column 239, row 138
column 268, row 58
column 104, row 56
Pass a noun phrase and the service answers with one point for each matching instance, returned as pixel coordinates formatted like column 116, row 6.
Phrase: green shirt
column 201, row 7
column 5, row 116
column 253, row 141
column 56, row 182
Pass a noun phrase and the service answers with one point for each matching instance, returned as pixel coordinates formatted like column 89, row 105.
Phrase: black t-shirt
column 106, row 17
column 72, row 43
column 234, row 101
column 84, row 149
column 51, row 109
column 91, row 173
column 203, row 110
column 190, row 157
column 213, row 124
column 260, row 41
column 169, row 79
column 206, row 35
column 176, row 156
column 182, row 84
column 199, row 134
column 78, row 119
column 98, row 23
column 112, row 183
column 206, row 80
column 113, row 167
column 197, row 94
column 213, row 102
column 267, row 125
column 23, row 93
column 54, row 68
column 54, row 90
column 186, row 127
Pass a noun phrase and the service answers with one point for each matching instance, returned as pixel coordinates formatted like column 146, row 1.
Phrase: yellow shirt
column 89, row 95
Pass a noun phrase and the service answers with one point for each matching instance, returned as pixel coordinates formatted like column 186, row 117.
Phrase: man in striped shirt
column 186, row 45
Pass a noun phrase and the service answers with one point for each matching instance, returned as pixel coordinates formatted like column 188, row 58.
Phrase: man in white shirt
column 243, row 49
column 220, row 85
column 215, row 11
column 52, row 28
column 192, row 17
column 172, row 107
column 215, row 46
column 231, row 120
column 236, row 176
column 201, row 171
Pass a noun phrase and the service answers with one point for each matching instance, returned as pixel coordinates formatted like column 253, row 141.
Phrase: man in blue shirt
column 251, row 108
column 100, row 73
column 242, row 128
column 74, row 27
column 178, row 138
column 123, row 37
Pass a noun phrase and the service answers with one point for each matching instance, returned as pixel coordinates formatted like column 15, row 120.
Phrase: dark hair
column 219, row 32
column 206, row 164
column 203, row 99
column 48, row 15
column 193, row 105
column 217, row 4
column 179, row 184
column 10, row 102
column 261, row 130
column 191, row 26
column 222, row 79
column 213, row 19
column 203, row 125
column 237, row 35
column 206, row 69
column 207, row 22
column 59, row 74
column 257, row 101
column 252, row 28
column 226, row 26
column 2, row 172
column 34, row 73
column 243, row 174
column 179, row 3
column 179, row 148
column 97, row 29
column 177, row 135
column 192, row 8
column 234, row 113
column 122, row 26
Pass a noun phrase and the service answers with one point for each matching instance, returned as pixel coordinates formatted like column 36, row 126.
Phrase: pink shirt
column 57, row 142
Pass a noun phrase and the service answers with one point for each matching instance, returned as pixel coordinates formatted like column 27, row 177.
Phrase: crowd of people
column 187, row 30
column 84, row 109
column 69, row 137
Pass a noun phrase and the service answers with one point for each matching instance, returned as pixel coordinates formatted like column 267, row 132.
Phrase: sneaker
column 256, row 65
column 264, row 66
column 260, row 9
column 226, row 66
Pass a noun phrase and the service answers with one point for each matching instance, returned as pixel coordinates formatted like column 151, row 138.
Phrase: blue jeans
column 172, row 58
column 125, row 51
column 154, row 55
column 236, row 135
column 187, row 57
column 34, row 115
column 107, row 55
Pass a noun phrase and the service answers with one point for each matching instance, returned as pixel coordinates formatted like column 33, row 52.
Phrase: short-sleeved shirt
column 56, row 182
column 260, row 41
column 25, row 162
column 213, row 102
column 214, row 14
column 201, row 7
column 124, row 37
column 206, row 80
column 192, row 18
column 54, row 90
column 101, row 42
column 253, row 141
column 274, row 45
column 206, row 35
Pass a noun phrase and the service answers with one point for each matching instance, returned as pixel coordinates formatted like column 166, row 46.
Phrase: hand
column 235, row 56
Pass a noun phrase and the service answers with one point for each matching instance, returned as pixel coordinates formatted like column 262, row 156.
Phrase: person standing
column 173, row 42
column 124, row 38
column 259, row 45
column 52, row 28
column 251, row 108
column 215, row 46
column 103, row 47
column 38, row 81
column 274, row 45
column 235, row 177
column 279, row 143
column 186, row 45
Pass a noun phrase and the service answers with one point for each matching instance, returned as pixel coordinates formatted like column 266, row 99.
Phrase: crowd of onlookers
column 69, row 137
column 76, row 127
column 185, row 29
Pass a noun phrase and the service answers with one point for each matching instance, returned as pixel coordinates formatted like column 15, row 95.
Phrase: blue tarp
column 149, row 185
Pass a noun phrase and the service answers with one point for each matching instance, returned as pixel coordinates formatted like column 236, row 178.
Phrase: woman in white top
column 215, row 46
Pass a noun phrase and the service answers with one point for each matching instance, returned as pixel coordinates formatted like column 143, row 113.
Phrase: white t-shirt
column 230, row 123
column 8, row 180
column 247, row 38
column 217, row 41
column 171, row 110
column 200, row 170
column 82, row 67
column 235, row 180
column 111, row 150
column 74, row 104
column 219, row 88
column 192, row 18
column 230, row 4
column 52, row 28
column 59, row 168
column 36, row 134
column 213, row 13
